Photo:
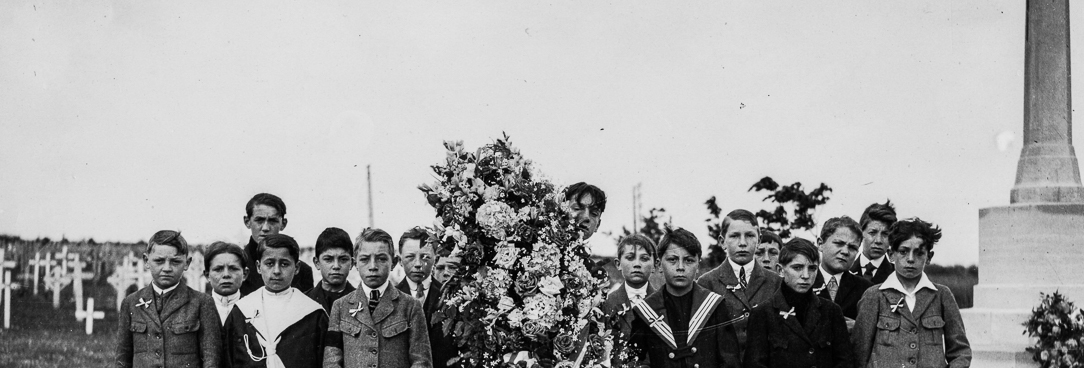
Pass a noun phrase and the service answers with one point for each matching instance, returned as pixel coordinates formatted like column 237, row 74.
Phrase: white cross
column 90, row 315
column 124, row 275
column 77, row 278
column 48, row 262
column 6, row 286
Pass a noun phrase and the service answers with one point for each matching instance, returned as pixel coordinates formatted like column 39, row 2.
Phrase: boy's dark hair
column 371, row 234
column 266, row 199
column 637, row 240
column 217, row 248
column 798, row 246
column 680, row 238
column 417, row 233
column 334, row 237
column 905, row 229
column 169, row 238
column 768, row 236
column 836, row 223
column 885, row 213
column 575, row 192
column 279, row 241
column 737, row 215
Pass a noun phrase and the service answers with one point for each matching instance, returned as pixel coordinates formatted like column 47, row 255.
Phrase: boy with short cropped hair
column 798, row 329
column 376, row 325
column 334, row 259
column 168, row 324
column 872, row 264
column 683, row 324
column 636, row 259
column 913, row 321
column 767, row 253
column 224, row 266
column 276, row 326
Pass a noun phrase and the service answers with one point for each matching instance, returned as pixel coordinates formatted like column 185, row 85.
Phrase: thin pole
column 369, row 181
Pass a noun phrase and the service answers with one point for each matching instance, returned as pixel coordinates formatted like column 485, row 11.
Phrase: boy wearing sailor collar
column 909, row 321
column 276, row 326
column 377, row 325
column 683, row 324
column 168, row 324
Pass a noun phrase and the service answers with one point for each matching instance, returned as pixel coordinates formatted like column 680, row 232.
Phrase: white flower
column 515, row 318
column 550, row 285
column 540, row 308
column 506, row 256
column 506, row 304
column 496, row 218
column 491, row 193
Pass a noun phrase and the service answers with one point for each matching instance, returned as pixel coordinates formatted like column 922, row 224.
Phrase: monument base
column 1024, row 250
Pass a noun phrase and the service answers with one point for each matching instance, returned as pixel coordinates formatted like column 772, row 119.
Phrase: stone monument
column 1035, row 243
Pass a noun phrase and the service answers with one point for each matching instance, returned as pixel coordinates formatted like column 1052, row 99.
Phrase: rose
column 564, row 343
column 550, row 285
column 506, row 256
column 565, row 364
column 533, row 329
column 526, row 284
column 505, row 304
column 596, row 346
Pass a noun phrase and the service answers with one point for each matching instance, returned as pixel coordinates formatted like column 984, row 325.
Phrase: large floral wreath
column 526, row 281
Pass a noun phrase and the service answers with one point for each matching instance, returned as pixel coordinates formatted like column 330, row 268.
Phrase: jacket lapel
column 146, row 305
column 386, row 305
column 727, row 278
column 846, row 286
column 893, row 298
column 704, row 304
column 820, row 289
column 359, row 303
column 432, row 297
column 780, row 306
column 179, row 298
column 756, row 280
column 923, row 299
column 812, row 321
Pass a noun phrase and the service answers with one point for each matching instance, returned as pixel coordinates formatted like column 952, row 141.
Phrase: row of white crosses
column 130, row 271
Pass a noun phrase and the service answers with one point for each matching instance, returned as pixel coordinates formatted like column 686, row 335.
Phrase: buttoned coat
column 888, row 334
column 879, row 275
column 716, row 345
column 778, row 340
column 850, row 291
column 617, row 309
column 761, row 287
column 394, row 336
column 301, row 344
column 186, row 334
column 442, row 347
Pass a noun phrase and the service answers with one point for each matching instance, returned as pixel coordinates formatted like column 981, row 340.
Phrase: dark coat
column 782, row 342
column 393, row 336
column 716, row 345
column 879, row 275
column 617, row 310
column 325, row 298
column 931, row 336
column 762, row 286
column 850, row 291
column 300, row 345
column 302, row 281
column 443, row 347
column 186, row 334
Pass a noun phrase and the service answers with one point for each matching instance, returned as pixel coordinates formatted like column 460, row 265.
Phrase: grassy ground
column 42, row 337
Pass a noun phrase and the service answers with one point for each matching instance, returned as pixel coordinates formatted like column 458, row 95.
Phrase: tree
column 654, row 226
column 803, row 204
column 716, row 254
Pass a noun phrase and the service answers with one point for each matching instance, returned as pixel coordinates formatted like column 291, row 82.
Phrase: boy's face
column 334, row 265
column 265, row 220
column 910, row 259
column 166, row 265
column 768, row 255
column 839, row 250
column 741, row 240
column 874, row 239
column 799, row 274
column 679, row 267
column 636, row 265
column 417, row 260
column 445, row 268
column 226, row 274
column 586, row 215
column 374, row 262
column 278, row 268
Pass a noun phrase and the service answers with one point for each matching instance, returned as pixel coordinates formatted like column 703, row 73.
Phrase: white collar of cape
column 297, row 309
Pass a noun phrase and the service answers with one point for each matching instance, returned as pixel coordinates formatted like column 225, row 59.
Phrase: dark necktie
column 869, row 270
column 741, row 279
column 833, row 287
column 374, row 299
column 421, row 292
column 160, row 300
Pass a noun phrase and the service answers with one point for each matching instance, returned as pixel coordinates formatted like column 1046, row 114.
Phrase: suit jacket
column 301, row 344
column 879, row 275
column 392, row 336
column 302, row 281
column 762, row 286
column 850, row 291
column 186, row 334
column 325, row 298
column 779, row 342
column 931, row 336
column 617, row 310
column 443, row 347
column 716, row 344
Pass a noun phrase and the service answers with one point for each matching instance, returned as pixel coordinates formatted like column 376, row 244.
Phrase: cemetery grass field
column 42, row 337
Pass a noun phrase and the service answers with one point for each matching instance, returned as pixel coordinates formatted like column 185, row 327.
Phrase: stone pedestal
column 1024, row 249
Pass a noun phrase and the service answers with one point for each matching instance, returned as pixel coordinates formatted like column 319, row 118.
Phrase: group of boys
column 263, row 310
column 793, row 304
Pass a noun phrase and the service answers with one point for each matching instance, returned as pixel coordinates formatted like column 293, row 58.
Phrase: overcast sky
column 123, row 118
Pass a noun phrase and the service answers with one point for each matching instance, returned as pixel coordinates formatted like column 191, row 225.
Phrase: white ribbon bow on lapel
column 787, row 314
column 143, row 303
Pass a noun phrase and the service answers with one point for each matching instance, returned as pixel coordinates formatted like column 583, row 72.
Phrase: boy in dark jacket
column 167, row 324
column 334, row 259
column 798, row 329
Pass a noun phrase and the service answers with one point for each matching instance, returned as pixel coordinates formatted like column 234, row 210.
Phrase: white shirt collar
column 828, row 276
column 876, row 262
column 159, row 291
column 631, row 291
column 414, row 287
column 893, row 282
column 227, row 299
column 369, row 291
column 737, row 269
